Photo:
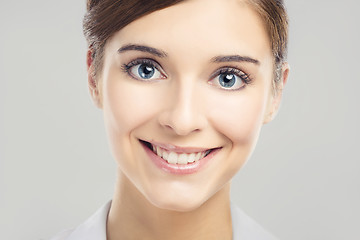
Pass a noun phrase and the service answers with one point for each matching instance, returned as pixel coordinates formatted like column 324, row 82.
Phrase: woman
column 185, row 87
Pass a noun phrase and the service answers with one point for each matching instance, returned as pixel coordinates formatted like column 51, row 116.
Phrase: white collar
column 94, row 228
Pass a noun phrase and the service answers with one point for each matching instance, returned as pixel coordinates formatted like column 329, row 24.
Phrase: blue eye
column 230, row 79
column 143, row 69
column 227, row 80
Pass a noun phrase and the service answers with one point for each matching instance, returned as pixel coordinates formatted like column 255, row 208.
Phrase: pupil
column 227, row 80
column 146, row 71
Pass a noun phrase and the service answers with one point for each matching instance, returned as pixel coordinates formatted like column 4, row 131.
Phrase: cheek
column 127, row 104
column 239, row 117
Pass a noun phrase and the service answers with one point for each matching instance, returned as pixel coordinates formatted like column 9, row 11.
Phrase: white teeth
column 182, row 159
column 179, row 158
column 172, row 158
column 197, row 156
column 165, row 155
column 158, row 151
column 191, row 158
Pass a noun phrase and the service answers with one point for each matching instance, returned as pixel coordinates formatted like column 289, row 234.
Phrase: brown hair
column 105, row 17
column 274, row 15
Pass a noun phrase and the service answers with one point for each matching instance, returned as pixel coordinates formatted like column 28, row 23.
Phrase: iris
column 145, row 71
column 227, row 80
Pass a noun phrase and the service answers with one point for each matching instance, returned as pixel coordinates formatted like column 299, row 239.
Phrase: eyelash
column 126, row 68
column 246, row 78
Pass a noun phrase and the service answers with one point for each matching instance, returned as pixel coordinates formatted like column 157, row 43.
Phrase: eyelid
column 245, row 78
column 126, row 67
column 232, row 70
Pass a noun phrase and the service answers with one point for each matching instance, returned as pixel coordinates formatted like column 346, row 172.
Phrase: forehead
column 201, row 28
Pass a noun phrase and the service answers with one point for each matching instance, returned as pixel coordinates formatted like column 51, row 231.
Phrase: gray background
column 302, row 182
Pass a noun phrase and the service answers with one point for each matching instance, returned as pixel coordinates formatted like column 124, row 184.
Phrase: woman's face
column 184, row 92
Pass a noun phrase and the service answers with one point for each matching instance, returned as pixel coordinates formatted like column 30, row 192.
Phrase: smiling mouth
column 180, row 158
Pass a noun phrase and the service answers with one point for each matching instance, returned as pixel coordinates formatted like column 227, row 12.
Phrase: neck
column 132, row 216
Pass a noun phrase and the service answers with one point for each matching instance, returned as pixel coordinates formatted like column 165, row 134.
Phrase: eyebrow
column 162, row 54
column 142, row 48
column 235, row 58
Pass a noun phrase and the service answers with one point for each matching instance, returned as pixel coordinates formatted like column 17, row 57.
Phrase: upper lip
column 178, row 149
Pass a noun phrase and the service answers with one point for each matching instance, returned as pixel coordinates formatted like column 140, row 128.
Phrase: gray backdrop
column 302, row 182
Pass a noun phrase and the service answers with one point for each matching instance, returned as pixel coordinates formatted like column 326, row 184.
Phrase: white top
column 94, row 228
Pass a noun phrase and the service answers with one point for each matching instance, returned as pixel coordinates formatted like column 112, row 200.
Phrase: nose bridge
column 183, row 115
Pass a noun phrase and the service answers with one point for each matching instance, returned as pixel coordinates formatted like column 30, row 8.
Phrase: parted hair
column 105, row 17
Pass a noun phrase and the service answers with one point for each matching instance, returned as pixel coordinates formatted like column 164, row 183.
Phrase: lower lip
column 180, row 169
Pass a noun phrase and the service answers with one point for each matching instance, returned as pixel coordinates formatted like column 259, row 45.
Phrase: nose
column 184, row 113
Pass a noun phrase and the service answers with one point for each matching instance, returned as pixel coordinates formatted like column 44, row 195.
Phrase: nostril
column 182, row 120
column 168, row 127
column 181, row 127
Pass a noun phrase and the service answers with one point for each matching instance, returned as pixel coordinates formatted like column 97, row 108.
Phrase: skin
column 184, row 107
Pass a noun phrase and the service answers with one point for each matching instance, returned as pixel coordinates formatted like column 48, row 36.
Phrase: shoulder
column 62, row 235
column 244, row 227
column 94, row 228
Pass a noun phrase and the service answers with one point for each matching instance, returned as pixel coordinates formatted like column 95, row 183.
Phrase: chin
column 175, row 202
column 176, row 206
